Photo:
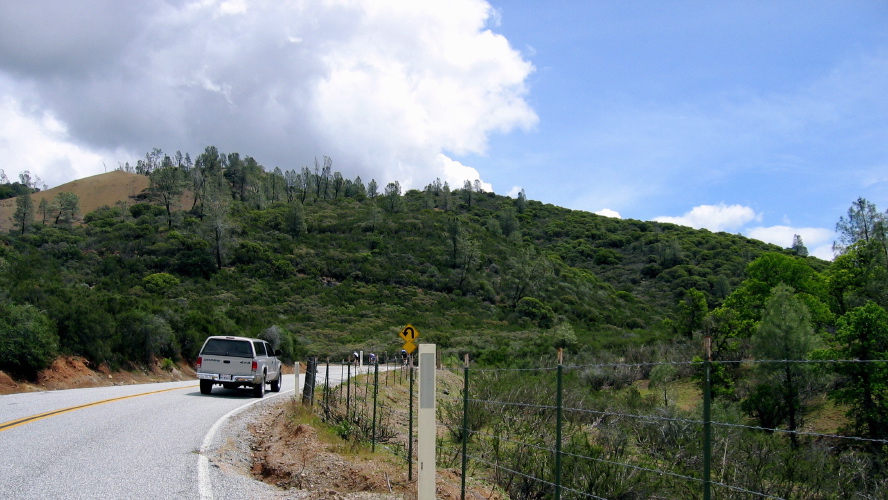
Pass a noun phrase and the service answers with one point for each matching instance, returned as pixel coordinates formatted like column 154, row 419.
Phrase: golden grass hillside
column 94, row 192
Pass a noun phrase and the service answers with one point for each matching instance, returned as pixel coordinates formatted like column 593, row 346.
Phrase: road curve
column 127, row 442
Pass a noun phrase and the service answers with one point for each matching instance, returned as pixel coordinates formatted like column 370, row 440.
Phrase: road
column 133, row 442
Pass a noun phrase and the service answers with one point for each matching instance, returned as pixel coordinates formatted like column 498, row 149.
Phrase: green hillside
column 324, row 265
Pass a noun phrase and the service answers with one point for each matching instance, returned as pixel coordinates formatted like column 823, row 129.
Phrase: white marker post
column 425, row 488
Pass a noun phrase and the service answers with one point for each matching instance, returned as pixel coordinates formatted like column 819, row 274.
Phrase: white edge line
column 204, row 484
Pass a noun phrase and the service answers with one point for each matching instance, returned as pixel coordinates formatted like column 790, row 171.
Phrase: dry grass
column 94, row 192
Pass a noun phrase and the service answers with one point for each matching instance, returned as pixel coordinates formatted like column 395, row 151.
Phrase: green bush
column 159, row 282
column 28, row 339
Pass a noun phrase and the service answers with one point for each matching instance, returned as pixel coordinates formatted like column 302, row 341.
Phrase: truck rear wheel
column 259, row 389
column 206, row 386
column 276, row 384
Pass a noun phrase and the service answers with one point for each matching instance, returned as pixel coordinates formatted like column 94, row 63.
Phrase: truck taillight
column 199, row 361
column 255, row 366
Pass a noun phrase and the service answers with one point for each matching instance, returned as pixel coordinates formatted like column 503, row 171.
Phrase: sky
column 762, row 118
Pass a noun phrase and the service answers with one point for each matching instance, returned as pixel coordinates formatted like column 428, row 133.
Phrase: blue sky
column 652, row 109
column 761, row 118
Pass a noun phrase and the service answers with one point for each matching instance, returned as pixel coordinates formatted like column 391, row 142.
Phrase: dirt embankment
column 74, row 372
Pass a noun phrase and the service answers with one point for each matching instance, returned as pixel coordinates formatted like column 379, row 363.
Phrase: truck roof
column 229, row 337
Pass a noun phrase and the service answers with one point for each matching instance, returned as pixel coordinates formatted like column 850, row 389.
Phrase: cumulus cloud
column 719, row 217
column 386, row 88
column 817, row 240
column 609, row 213
column 40, row 145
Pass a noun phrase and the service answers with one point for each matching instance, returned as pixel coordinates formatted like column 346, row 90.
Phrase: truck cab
column 234, row 362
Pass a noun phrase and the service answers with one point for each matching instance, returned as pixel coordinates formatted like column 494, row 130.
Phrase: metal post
column 375, row 394
column 558, row 404
column 707, row 403
column 465, row 429
column 348, row 393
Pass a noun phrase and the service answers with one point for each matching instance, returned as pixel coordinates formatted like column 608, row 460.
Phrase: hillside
column 327, row 274
column 96, row 191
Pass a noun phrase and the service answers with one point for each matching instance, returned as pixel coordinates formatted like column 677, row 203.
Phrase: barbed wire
column 679, row 363
column 805, row 433
column 611, row 462
column 539, row 480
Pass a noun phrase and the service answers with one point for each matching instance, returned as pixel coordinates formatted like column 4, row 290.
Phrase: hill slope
column 342, row 271
column 94, row 192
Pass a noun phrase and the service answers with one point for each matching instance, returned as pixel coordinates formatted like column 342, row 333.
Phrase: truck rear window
column 226, row 347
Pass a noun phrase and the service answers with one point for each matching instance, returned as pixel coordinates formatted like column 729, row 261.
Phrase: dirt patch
column 310, row 461
column 74, row 372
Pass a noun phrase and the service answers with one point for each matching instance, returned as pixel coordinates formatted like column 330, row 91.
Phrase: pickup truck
column 233, row 362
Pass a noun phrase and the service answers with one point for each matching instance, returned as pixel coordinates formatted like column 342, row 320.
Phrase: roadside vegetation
column 322, row 265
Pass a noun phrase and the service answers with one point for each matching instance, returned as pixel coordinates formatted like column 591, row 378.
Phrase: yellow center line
column 40, row 416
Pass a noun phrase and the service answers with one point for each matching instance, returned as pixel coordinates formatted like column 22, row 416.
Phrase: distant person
column 355, row 358
column 404, row 357
column 372, row 358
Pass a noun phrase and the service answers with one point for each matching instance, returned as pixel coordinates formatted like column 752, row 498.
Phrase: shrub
column 159, row 282
column 28, row 339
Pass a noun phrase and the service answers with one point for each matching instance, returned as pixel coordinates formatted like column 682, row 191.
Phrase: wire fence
column 542, row 433
column 578, row 432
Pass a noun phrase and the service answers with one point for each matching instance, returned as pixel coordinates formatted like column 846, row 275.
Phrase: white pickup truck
column 233, row 362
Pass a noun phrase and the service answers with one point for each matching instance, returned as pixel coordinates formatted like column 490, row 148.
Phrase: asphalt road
column 146, row 445
column 122, row 442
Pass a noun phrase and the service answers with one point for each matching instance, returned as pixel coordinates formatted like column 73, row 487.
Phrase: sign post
column 409, row 334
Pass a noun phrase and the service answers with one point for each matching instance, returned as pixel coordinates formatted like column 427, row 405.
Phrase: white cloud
column 40, row 144
column 609, row 213
column 387, row 89
column 817, row 240
column 719, row 217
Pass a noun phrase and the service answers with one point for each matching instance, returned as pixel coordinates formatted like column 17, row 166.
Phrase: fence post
column 558, row 404
column 707, row 403
column 375, row 394
column 348, row 393
column 311, row 370
column 465, row 423
column 327, row 391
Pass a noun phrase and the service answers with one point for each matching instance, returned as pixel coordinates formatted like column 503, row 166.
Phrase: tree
column 372, row 189
column 785, row 333
column 862, row 337
column 508, row 220
column 863, row 223
column 798, row 247
column 294, row 220
column 67, row 208
column 338, row 185
column 291, row 183
column 167, row 185
column 528, row 272
column 392, row 197
column 446, row 198
column 521, row 202
column 692, row 310
column 467, row 258
column 304, row 184
column 468, row 193
column 24, row 212
column 218, row 223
